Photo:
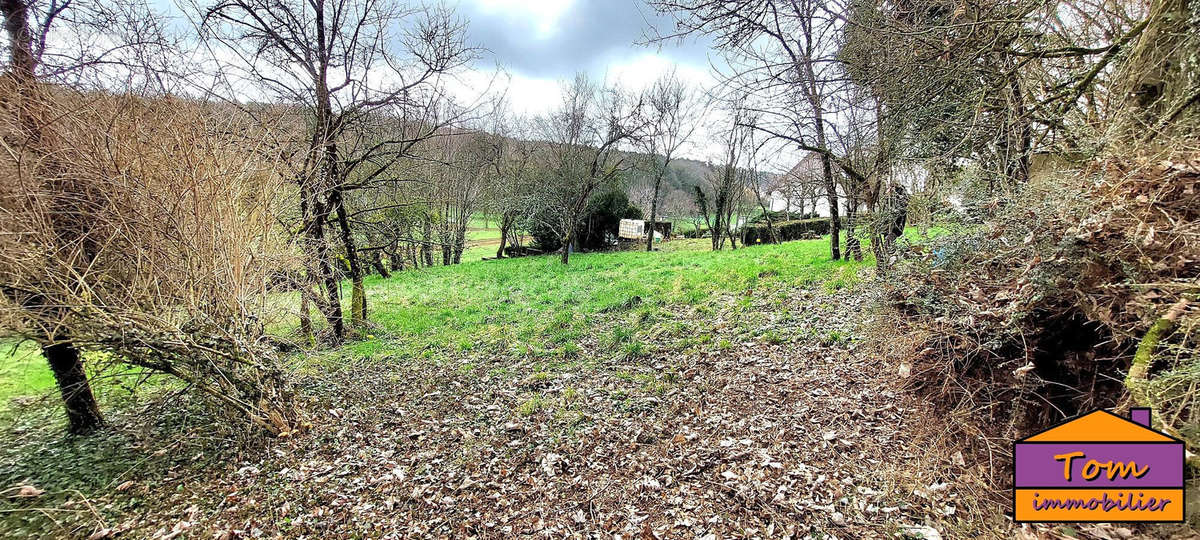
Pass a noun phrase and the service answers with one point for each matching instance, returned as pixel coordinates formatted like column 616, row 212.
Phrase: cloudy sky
column 541, row 43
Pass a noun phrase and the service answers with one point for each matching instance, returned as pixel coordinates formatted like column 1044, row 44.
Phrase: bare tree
column 83, row 43
column 762, row 187
column 678, row 205
column 727, row 182
column 367, row 98
column 784, row 55
column 510, row 188
column 466, row 159
column 583, row 151
column 673, row 110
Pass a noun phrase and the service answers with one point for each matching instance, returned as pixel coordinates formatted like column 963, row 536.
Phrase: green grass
column 537, row 307
column 23, row 372
column 477, row 253
column 477, row 235
column 532, row 306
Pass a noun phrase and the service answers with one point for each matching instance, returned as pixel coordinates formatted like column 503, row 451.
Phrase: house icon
column 1099, row 467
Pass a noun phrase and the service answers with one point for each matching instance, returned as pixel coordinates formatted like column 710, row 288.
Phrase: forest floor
column 680, row 393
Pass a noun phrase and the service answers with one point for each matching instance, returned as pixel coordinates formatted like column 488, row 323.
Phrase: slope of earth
column 682, row 394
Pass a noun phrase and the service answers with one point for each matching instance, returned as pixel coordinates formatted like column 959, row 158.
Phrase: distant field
column 537, row 305
column 475, row 235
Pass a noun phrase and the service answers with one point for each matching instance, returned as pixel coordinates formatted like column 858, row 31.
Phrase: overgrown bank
column 1054, row 307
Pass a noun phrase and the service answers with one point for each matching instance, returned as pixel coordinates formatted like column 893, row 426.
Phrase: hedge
column 796, row 229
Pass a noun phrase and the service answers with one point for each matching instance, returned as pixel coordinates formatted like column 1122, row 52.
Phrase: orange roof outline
column 1099, row 426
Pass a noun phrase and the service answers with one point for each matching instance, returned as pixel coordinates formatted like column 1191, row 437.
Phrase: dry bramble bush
column 1080, row 293
column 146, row 229
column 1082, row 290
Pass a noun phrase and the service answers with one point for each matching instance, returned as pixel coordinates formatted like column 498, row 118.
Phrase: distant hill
column 683, row 173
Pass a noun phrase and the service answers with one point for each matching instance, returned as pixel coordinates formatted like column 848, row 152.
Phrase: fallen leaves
column 749, row 439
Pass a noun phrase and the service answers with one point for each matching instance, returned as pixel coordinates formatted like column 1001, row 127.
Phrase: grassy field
column 23, row 372
column 493, row 380
column 539, row 307
column 531, row 305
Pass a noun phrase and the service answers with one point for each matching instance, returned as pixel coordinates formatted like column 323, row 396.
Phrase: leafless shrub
column 148, row 232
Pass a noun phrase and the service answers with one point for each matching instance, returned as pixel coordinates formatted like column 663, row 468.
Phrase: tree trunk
column 654, row 208
column 326, row 180
column 814, row 100
column 505, row 223
column 719, row 223
column 566, row 247
column 1017, row 139
column 377, row 262
column 460, row 239
column 358, row 294
column 83, row 414
column 427, row 244
column 396, row 258
column 766, row 210
column 702, row 202
column 306, row 326
column 874, row 232
column 853, row 246
column 835, row 223
column 717, row 233
column 316, row 251
column 33, row 115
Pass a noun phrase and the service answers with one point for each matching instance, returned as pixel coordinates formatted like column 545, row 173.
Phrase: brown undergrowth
column 1036, row 315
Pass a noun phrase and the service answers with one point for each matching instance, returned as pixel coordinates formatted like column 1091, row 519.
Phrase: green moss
column 531, row 406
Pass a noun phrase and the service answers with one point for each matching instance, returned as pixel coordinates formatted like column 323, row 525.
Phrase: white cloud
column 534, row 96
column 542, row 15
column 641, row 71
column 526, row 96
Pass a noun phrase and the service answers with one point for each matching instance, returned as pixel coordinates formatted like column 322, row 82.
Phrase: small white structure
column 632, row 228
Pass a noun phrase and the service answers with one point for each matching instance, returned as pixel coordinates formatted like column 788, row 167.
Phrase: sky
column 538, row 44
